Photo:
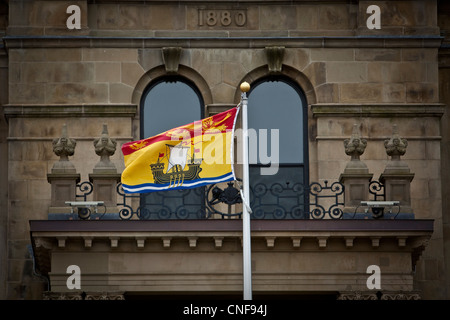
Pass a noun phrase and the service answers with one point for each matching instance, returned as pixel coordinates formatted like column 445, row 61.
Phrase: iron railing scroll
column 276, row 201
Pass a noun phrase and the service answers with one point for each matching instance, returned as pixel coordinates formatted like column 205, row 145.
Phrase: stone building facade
column 55, row 74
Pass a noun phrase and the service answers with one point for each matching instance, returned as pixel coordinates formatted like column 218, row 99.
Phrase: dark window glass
column 278, row 156
column 167, row 104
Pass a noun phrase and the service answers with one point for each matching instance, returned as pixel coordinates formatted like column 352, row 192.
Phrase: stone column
column 397, row 176
column 105, row 177
column 356, row 176
column 63, row 177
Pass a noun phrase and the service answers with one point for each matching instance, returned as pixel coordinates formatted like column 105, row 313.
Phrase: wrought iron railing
column 85, row 188
column 376, row 189
column 276, row 201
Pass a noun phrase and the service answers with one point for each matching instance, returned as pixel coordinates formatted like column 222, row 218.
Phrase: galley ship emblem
column 176, row 172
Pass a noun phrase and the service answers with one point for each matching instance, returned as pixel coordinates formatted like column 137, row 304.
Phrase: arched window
column 278, row 149
column 167, row 103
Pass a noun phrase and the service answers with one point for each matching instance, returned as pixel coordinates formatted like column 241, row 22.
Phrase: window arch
column 277, row 117
column 169, row 102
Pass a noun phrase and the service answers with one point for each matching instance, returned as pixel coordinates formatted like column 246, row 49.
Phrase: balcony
column 316, row 239
column 205, row 256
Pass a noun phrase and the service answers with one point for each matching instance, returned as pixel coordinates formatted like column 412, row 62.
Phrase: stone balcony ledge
column 226, row 236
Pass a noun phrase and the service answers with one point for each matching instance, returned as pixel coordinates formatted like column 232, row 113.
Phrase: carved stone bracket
column 171, row 58
column 275, row 57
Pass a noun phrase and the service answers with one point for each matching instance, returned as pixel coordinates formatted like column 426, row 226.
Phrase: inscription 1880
column 222, row 18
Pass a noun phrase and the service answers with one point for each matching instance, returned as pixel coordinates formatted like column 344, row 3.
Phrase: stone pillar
column 397, row 176
column 63, row 177
column 105, row 177
column 356, row 176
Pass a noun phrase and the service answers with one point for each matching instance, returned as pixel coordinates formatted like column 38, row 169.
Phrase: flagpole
column 246, row 238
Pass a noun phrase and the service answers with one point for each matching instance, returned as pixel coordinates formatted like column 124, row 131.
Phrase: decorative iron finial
column 395, row 146
column 105, row 147
column 356, row 145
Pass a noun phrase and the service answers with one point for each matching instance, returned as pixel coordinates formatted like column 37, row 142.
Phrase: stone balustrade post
column 105, row 177
column 356, row 176
column 397, row 176
column 63, row 177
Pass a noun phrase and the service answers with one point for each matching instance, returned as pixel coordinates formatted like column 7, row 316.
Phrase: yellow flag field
column 189, row 156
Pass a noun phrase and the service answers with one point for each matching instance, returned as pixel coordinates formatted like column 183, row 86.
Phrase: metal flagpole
column 246, row 238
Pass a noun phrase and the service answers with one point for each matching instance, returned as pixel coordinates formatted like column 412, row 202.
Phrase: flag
column 193, row 155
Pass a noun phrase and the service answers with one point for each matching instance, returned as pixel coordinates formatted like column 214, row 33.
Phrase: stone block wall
column 97, row 75
column 3, row 154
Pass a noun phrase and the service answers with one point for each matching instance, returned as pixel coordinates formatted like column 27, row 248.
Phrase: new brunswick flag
column 189, row 156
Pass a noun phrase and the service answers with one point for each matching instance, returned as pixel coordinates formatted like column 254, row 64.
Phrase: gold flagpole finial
column 245, row 86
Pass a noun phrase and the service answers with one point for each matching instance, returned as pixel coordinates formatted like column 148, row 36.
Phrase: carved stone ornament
column 400, row 296
column 171, row 58
column 105, row 147
column 355, row 146
column 64, row 147
column 370, row 295
column 395, row 146
column 275, row 56
column 49, row 295
column 357, row 295
column 104, row 296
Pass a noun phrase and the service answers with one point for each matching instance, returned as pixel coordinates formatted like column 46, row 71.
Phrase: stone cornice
column 218, row 39
column 378, row 110
column 70, row 110
column 214, row 225
column 207, row 235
